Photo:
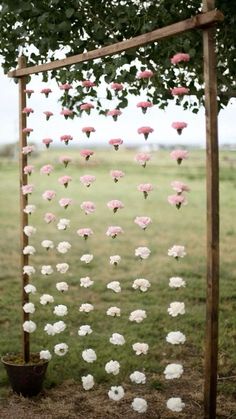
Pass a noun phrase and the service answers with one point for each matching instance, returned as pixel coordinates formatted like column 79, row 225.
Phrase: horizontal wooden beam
column 198, row 21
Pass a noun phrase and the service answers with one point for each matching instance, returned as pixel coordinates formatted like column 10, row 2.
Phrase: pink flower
column 86, row 107
column 28, row 169
column 27, row 149
column 47, row 142
column 65, row 87
column 179, row 91
column 27, row 189
column 142, row 158
column 115, row 204
column 27, row 111
column 66, row 113
column 145, row 131
column 49, row 217
column 88, row 207
column 117, row 87
column 48, row 114
column 88, row 130
column 49, row 195
column 180, row 56
column 116, row 142
column 88, row 84
column 46, row 170
column 113, row 231
column 146, row 74
column 65, row 202
column 66, row 138
column 177, row 200
column 116, row 175
column 143, row 222
column 27, row 131
column 86, row 153
column 85, row 232
column 144, row 105
column 46, row 91
column 86, row 180
column 65, row 160
column 114, row 113
column 179, row 155
column 64, row 180
column 29, row 92
column 179, row 126
column 145, row 188
column 179, row 187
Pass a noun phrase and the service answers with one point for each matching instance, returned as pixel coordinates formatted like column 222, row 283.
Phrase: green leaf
column 69, row 12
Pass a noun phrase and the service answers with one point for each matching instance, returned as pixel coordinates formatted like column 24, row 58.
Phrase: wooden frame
column 206, row 21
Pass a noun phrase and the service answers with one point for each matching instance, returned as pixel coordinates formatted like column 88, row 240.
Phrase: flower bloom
column 176, row 308
column 89, row 355
column 84, row 330
column 137, row 316
column 117, row 339
column 114, row 113
column 46, row 270
column 29, row 326
column 62, row 286
column 116, row 175
column 180, row 56
column 145, row 188
column 113, row 231
column 179, row 155
column 61, row 349
column 144, row 105
column 49, row 195
column 46, row 299
column 145, row 131
column 46, row 170
column 65, row 86
column 28, row 169
column 146, row 74
column 86, row 308
column 30, row 289
column 176, row 338
column 86, row 107
column 27, row 189
column 88, row 207
column 48, row 114
column 27, row 131
column 173, row 371
column 142, row 158
column 87, row 258
column 142, row 252
column 117, row 87
column 49, row 329
column 88, row 130
column 175, row 404
column 143, row 222
column 60, row 310
column 48, row 244
column 116, row 393
column 141, row 284
column 66, row 113
column 29, row 250
column 29, row 209
column 115, row 259
column 86, row 282
column 177, row 251
column 49, row 217
column 66, row 138
column 45, row 354
column 63, row 224
column 64, row 180
column 87, row 382
column 63, row 247
column 85, row 232
column 86, row 153
column 59, row 326
column 29, row 92
column 65, row 202
column 46, row 91
column 112, row 367
column 113, row 312
column 138, row 377
column 139, row 405
column 116, row 142
column 65, row 160
column 115, row 204
column 29, row 308
column 28, row 270
column 88, row 84
column 176, row 282
column 114, row 286
column 179, row 187
column 140, row 348
column 177, row 200
column 86, row 180
column 29, row 230
column 179, row 91
column 179, row 126
column 27, row 149
column 47, row 142
column 62, row 267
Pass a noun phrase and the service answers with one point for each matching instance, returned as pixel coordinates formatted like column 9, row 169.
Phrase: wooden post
column 23, row 202
column 212, row 183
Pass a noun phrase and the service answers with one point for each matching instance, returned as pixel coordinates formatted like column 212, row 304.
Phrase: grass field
column 169, row 226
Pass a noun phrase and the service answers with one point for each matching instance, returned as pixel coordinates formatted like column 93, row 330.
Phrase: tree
column 83, row 25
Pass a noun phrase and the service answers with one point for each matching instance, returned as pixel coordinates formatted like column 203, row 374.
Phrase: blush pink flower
column 179, row 91
column 65, row 160
column 88, row 130
column 27, row 149
column 27, row 189
column 142, row 158
column 179, row 126
column 27, row 131
column 145, row 188
column 117, row 87
column 64, row 180
column 65, row 202
column 46, row 91
column 177, row 200
column 46, row 170
column 88, row 207
column 86, row 107
column 179, row 155
column 49, row 217
column 146, row 74
column 114, row 113
column 86, row 153
column 86, row 180
column 114, row 231
column 115, row 204
column 85, row 232
column 49, row 195
column 179, row 187
column 65, row 87
column 29, row 92
column 47, row 142
column 143, row 222
column 116, row 175
column 66, row 113
column 180, row 56
column 66, row 138
column 116, row 142
column 27, row 111
column 48, row 115
column 28, row 169
column 144, row 106
column 88, row 84
column 145, row 131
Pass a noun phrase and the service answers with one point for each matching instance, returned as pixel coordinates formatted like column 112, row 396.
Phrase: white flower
column 89, row 355
column 46, row 299
column 46, row 270
column 84, row 330
column 116, row 393
column 87, row 382
column 29, row 209
column 49, row 329
column 47, row 244
column 29, row 250
column 140, row 348
column 173, row 371
column 86, row 307
column 139, row 405
column 137, row 316
column 86, row 282
column 60, row 310
column 59, row 326
column 175, row 338
column 142, row 252
column 112, row 367
column 177, row 251
column 63, row 224
column 142, row 284
column 176, row 308
column 138, row 377
column 113, row 311
column 63, row 247
column 176, row 282
column 86, row 258
column 45, row 354
column 62, row 267
column 28, row 270
column 61, row 349
column 29, row 326
column 29, row 308
column 114, row 260
column 30, row 289
column 175, row 404
column 62, row 286
column 114, row 286
column 117, row 339
column 29, row 230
